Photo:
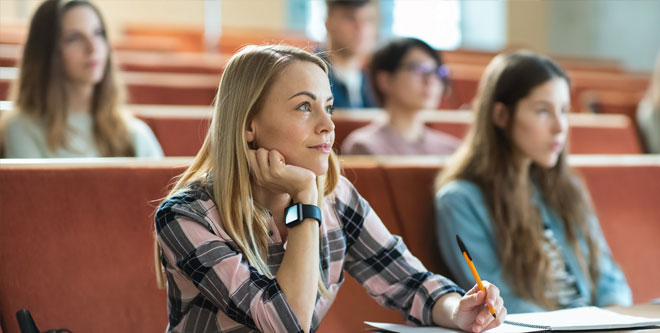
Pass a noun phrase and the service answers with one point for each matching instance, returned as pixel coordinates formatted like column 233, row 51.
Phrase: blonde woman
column 68, row 102
column 510, row 195
column 648, row 113
column 256, row 233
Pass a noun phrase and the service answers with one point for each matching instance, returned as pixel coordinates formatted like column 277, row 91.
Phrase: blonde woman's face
column 84, row 47
column 540, row 124
column 295, row 117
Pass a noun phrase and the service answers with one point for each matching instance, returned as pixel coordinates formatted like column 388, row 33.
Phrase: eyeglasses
column 425, row 71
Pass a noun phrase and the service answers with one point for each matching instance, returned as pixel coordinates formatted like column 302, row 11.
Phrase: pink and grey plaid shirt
column 212, row 288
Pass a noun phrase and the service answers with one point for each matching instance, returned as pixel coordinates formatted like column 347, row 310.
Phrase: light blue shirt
column 25, row 138
column 460, row 209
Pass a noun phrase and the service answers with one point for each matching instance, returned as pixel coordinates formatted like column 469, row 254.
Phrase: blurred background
column 626, row 31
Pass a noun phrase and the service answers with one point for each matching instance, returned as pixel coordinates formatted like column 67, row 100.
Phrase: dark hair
column 346, row 3
column 389, row 58
column 523, row 72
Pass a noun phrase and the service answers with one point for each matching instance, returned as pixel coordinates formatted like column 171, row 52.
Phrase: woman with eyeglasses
column 408, row 77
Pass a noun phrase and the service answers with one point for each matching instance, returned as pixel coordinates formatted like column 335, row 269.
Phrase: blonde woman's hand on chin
column 470, row 313
column 298, row 274
column 269, row 169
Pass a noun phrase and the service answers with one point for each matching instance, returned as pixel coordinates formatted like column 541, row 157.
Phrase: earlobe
column 500, row 115
column 383, row 82
column 250, row 132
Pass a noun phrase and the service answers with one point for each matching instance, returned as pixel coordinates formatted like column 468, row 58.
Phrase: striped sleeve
column 216, row 268
column 383, row 265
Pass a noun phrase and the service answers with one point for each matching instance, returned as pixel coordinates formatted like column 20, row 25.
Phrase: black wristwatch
column 298, row 212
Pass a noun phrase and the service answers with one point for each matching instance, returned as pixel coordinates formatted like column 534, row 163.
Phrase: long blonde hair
column 486, row 159
column 243, row 86
column 40, row 93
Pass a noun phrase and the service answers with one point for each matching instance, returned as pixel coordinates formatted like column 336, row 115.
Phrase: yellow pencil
column 467, row 257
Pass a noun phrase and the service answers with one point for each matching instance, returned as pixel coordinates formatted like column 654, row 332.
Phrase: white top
column 648, row 122
column 25, row 138
column 353, row 81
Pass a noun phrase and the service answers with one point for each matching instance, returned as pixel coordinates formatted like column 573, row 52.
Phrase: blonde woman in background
column 648, row 113
column 257, row 232
column 68, row 102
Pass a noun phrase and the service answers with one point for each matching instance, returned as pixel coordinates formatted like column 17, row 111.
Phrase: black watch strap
column 298, row 212
column 311, row 212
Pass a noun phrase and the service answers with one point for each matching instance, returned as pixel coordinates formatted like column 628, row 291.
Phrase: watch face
column 291, row 215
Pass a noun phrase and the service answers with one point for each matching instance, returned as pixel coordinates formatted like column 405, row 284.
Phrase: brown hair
column 41, row 90
column 486, row 159
column 243, row 86
column 351, row 4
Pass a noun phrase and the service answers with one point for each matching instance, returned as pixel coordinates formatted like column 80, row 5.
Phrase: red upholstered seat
column 76, row 247
column 627, row 202
column 179, row 136
column 412, row 188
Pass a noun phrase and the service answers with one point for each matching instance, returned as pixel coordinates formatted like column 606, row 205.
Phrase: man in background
column 351, row 29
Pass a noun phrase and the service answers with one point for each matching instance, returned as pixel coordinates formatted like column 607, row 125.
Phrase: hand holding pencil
column 482, row 307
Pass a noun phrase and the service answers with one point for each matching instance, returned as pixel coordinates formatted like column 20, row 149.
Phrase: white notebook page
column 585, row 318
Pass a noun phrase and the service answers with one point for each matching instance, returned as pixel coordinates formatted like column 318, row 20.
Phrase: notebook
column 577, row 319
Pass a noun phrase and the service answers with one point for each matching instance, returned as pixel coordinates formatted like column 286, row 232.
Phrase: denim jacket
column 460, row 209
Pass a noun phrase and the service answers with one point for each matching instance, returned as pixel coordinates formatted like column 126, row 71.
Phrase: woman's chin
column 321, row 171
column 548, row 162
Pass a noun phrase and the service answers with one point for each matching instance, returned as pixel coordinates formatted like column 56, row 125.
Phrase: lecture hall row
column 150, row 76
column 601, row 86
column 190, row 79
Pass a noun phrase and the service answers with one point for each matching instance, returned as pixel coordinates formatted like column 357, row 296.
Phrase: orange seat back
column 77, row 247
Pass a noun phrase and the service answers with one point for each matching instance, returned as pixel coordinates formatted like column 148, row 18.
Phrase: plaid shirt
column 211, row 287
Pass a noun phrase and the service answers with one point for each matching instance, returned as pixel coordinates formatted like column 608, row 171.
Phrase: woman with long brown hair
column 509, row 193
column 256, row 234
column 68, row 102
